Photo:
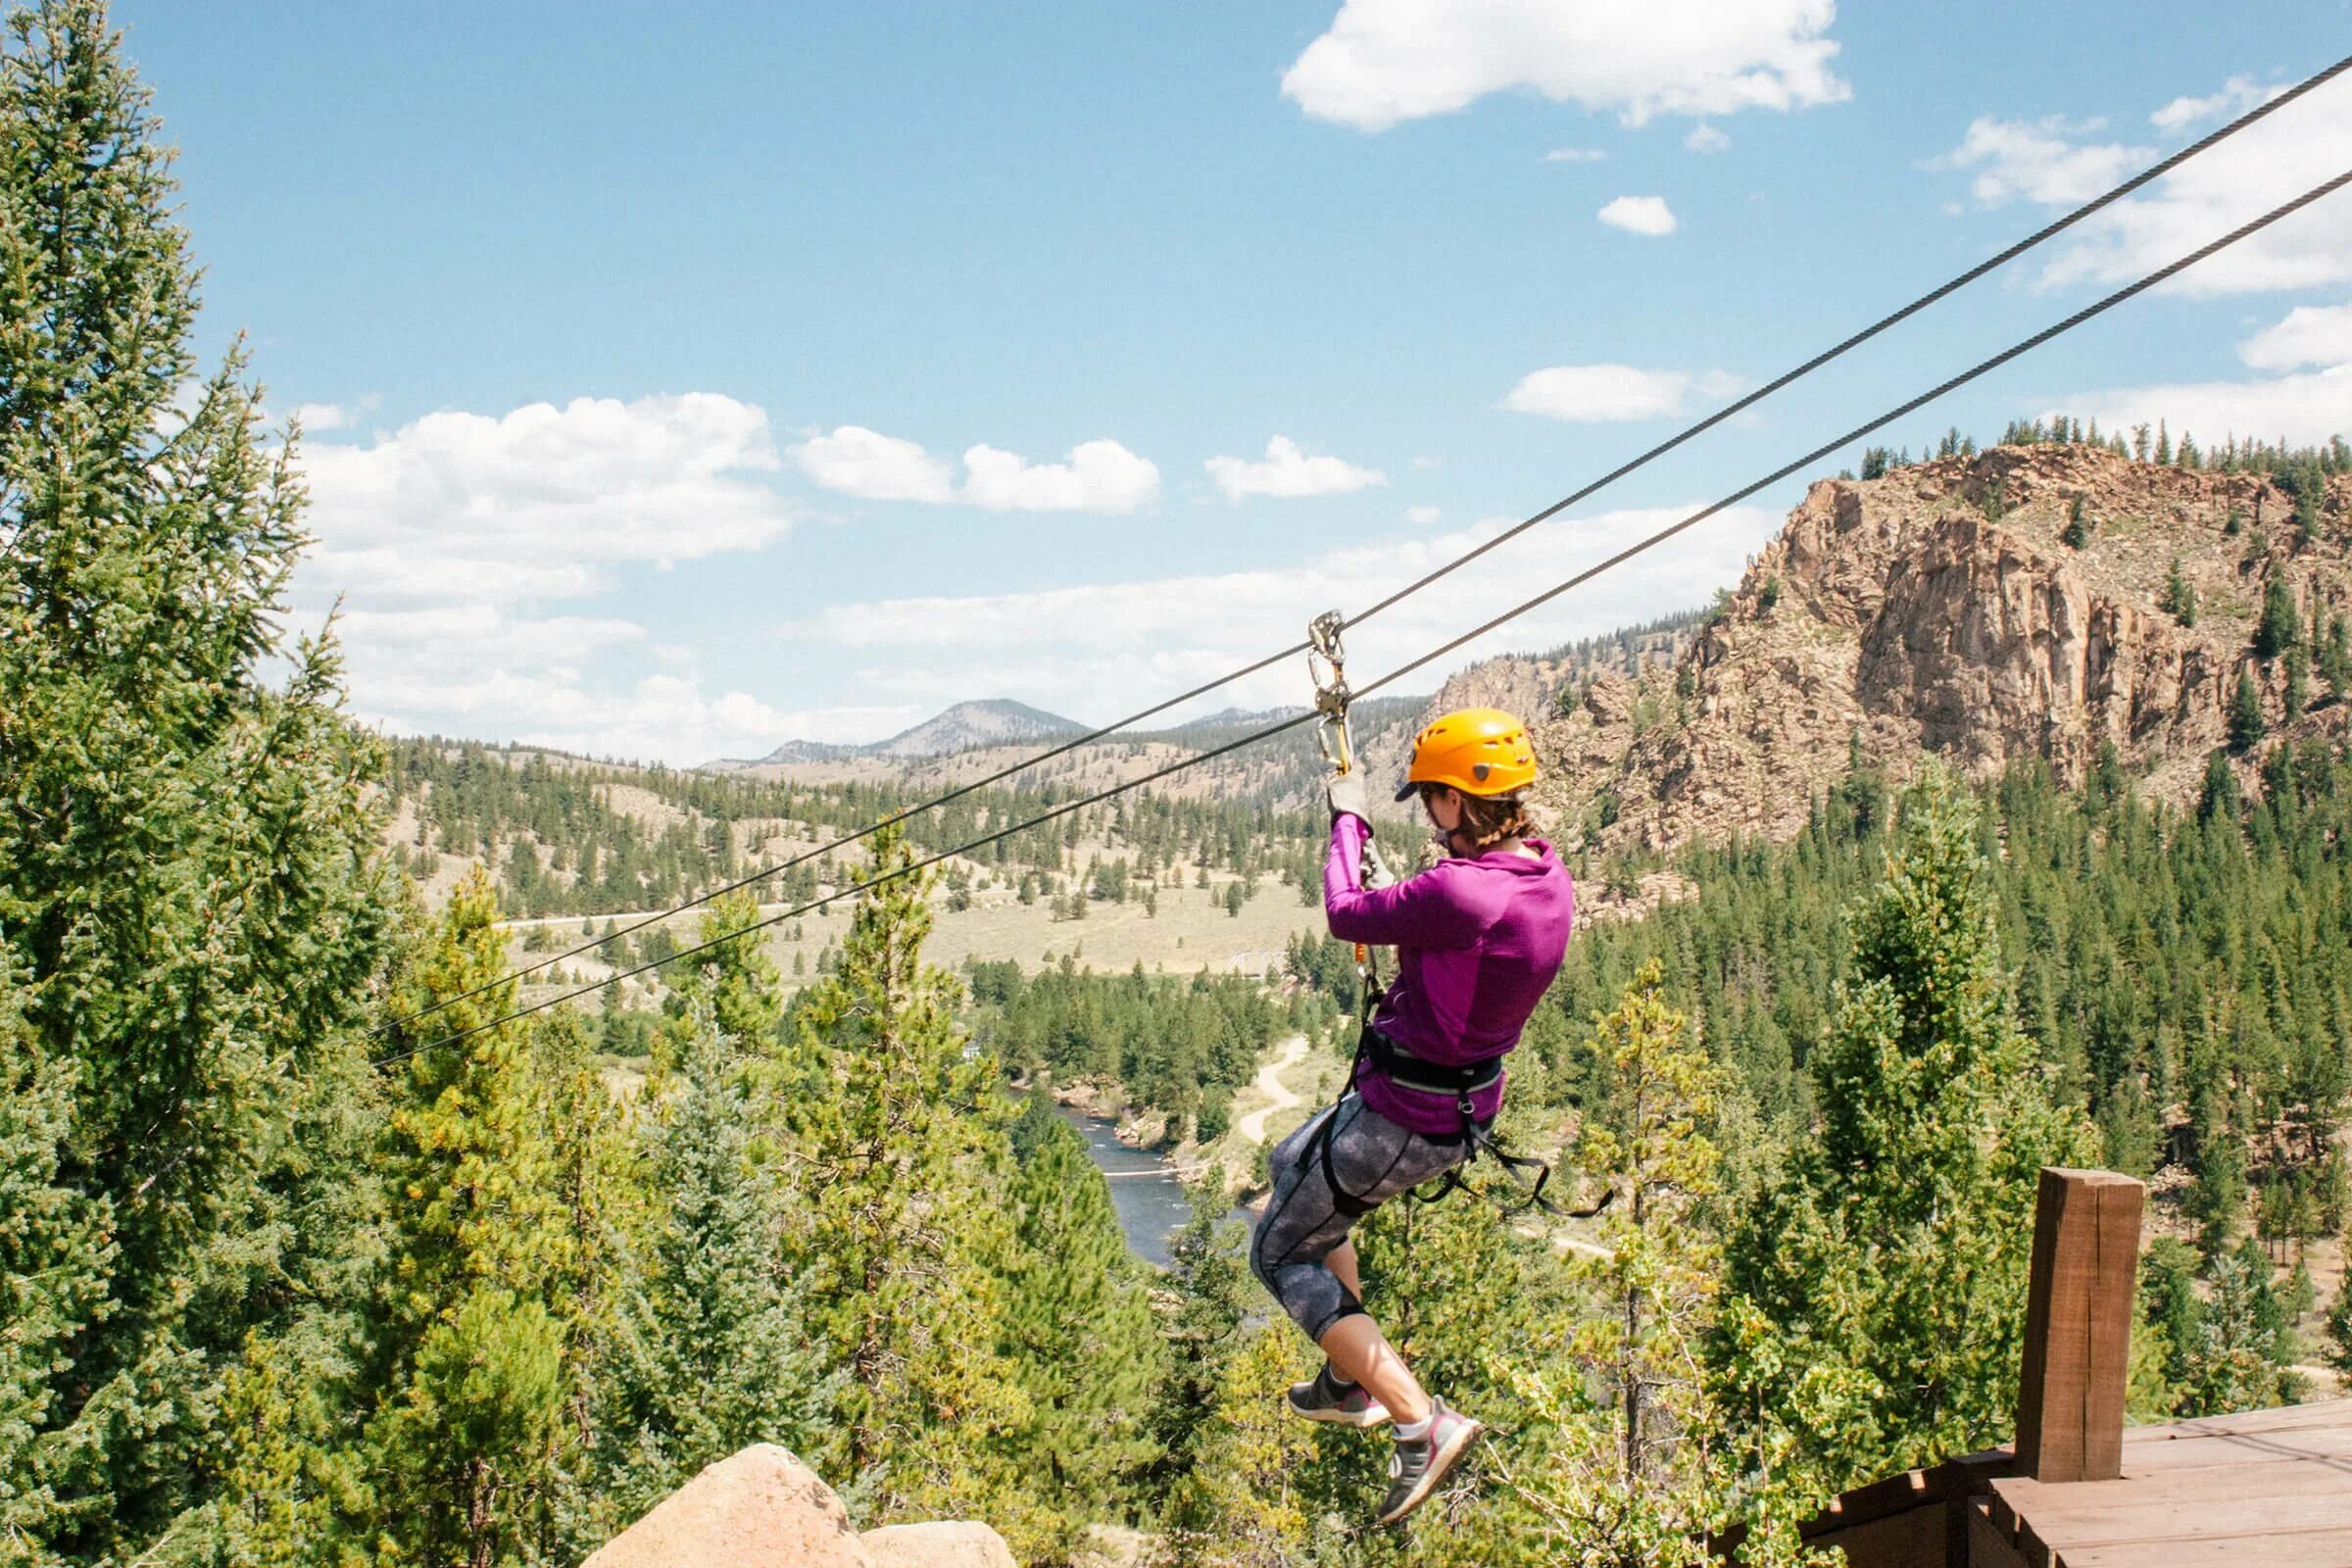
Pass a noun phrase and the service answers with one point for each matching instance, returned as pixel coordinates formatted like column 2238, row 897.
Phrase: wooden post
column 2069, row 1400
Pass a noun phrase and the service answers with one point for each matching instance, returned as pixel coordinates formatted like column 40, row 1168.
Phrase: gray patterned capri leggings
column 1374, row 1159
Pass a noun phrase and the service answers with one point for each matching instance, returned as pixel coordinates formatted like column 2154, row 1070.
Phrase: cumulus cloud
column 1287, row 471
column 1422, row 516
column 2310, row 335
column 1092, row 648
column 1608, row 392
column 2237, row 95
column 858, row 461
column 1097, row 476
column 1574, row 155
column 1639, row 214
column 445, row 535
column 1382, row 62
column 2309, row 407
column 1706, row 139
column 542, row 501
column 2053, row 164
column 2035, row 161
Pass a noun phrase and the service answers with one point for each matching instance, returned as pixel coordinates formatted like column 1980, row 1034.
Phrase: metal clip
column 1326, row 666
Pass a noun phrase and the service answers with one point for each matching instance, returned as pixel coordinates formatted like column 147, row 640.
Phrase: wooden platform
column 2265, row 1487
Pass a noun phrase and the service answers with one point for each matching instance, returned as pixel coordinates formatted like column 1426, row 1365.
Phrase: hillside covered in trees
column 315, row 1250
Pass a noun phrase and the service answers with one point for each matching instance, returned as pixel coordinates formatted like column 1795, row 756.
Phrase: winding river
column 1143, row 1187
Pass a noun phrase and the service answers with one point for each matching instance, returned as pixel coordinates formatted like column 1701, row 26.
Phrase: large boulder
column 936, row 1545
column 760, row 1508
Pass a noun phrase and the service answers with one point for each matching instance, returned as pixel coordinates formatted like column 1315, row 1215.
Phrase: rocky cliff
column 1943, row 609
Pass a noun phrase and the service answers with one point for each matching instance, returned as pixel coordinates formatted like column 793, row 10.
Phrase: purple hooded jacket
column 1478, row 942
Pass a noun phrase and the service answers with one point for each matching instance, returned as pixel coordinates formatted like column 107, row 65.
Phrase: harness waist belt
column 1409, row 1071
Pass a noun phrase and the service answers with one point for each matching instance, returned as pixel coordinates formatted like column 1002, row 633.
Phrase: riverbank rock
column 763, row 1508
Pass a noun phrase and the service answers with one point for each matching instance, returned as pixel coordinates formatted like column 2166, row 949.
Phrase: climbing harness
column 1327, row 666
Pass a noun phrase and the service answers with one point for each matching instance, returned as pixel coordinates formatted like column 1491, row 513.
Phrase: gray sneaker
column 1324, row 1398
column 1416, row 1468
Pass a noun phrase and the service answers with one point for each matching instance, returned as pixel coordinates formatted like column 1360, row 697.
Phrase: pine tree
column 707, row 1351
column 2180, row 599
column 2246, row 724
column 2338, row 1351
column 1078, row 1322
column 2281, row 625
column 893, row 1130
column 187, row 889
column 1879, row 1284
column 1201, row 1328
column 468, row 1370
column 55, row 1262
column 1621, row 1463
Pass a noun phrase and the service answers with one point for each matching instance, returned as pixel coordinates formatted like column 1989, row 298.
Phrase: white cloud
column 1574, row 155
column 1605, row 392
column 2310, row 335
column 1288, row 471
column 858, row 461
column 316, row 416
column 1099, row 477
column 2237, row 95
column 1706, row 139
column 543, row 501
column 1422, row 516
column 1386, row 61
column 2302, row 408
column 2034, row 160
column 1639, row 214
column 1094, row 649
column 2296, row 148
column 443, row 532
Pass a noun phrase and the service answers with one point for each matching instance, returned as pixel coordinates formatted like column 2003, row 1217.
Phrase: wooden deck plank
column 1912, row 1540
column 2325, row 1412
column 2223, row 1489
column 2304, row 1548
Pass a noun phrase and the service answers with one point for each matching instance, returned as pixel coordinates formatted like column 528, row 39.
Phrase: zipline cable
column 1650, row 541
column 1740, row 405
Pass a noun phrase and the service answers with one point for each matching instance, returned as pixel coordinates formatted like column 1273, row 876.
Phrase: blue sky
column 677, row 387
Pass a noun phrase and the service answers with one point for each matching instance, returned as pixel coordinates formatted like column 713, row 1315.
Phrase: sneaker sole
column 1441, row 1463
column 1371, row 1416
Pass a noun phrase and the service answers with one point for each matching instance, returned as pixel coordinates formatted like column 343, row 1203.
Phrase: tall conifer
column 186, row 886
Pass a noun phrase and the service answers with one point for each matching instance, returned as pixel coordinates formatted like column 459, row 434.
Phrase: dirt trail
column 1253, row 1127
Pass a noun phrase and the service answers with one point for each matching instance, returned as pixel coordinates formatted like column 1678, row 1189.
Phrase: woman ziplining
column 1478, row 938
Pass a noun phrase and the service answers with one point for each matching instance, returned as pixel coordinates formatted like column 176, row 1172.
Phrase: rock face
column 938, row 1546
column 763, row 1508
column 1938, row 610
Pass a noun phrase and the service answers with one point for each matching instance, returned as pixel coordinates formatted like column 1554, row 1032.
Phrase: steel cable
column 1647, row 542
column 1700, row 427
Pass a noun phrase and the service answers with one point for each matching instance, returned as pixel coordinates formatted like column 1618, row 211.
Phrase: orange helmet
column 1479, row 751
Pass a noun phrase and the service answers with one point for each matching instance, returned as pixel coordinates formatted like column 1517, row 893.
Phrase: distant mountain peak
column 966, row 726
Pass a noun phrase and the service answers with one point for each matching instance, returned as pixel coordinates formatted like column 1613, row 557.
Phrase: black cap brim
column 1406, row 791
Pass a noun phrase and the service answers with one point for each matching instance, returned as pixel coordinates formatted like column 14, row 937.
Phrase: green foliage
column 897, row 1240
column 2077, row 533
column 2247, row 727
column 1618, row 1463
column 2281, row 625
column 1078, row 1322
column 1879, row 1284
column 1176, row 1045
column 2180, row 599
column 186, row 900
column 706, row 1351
